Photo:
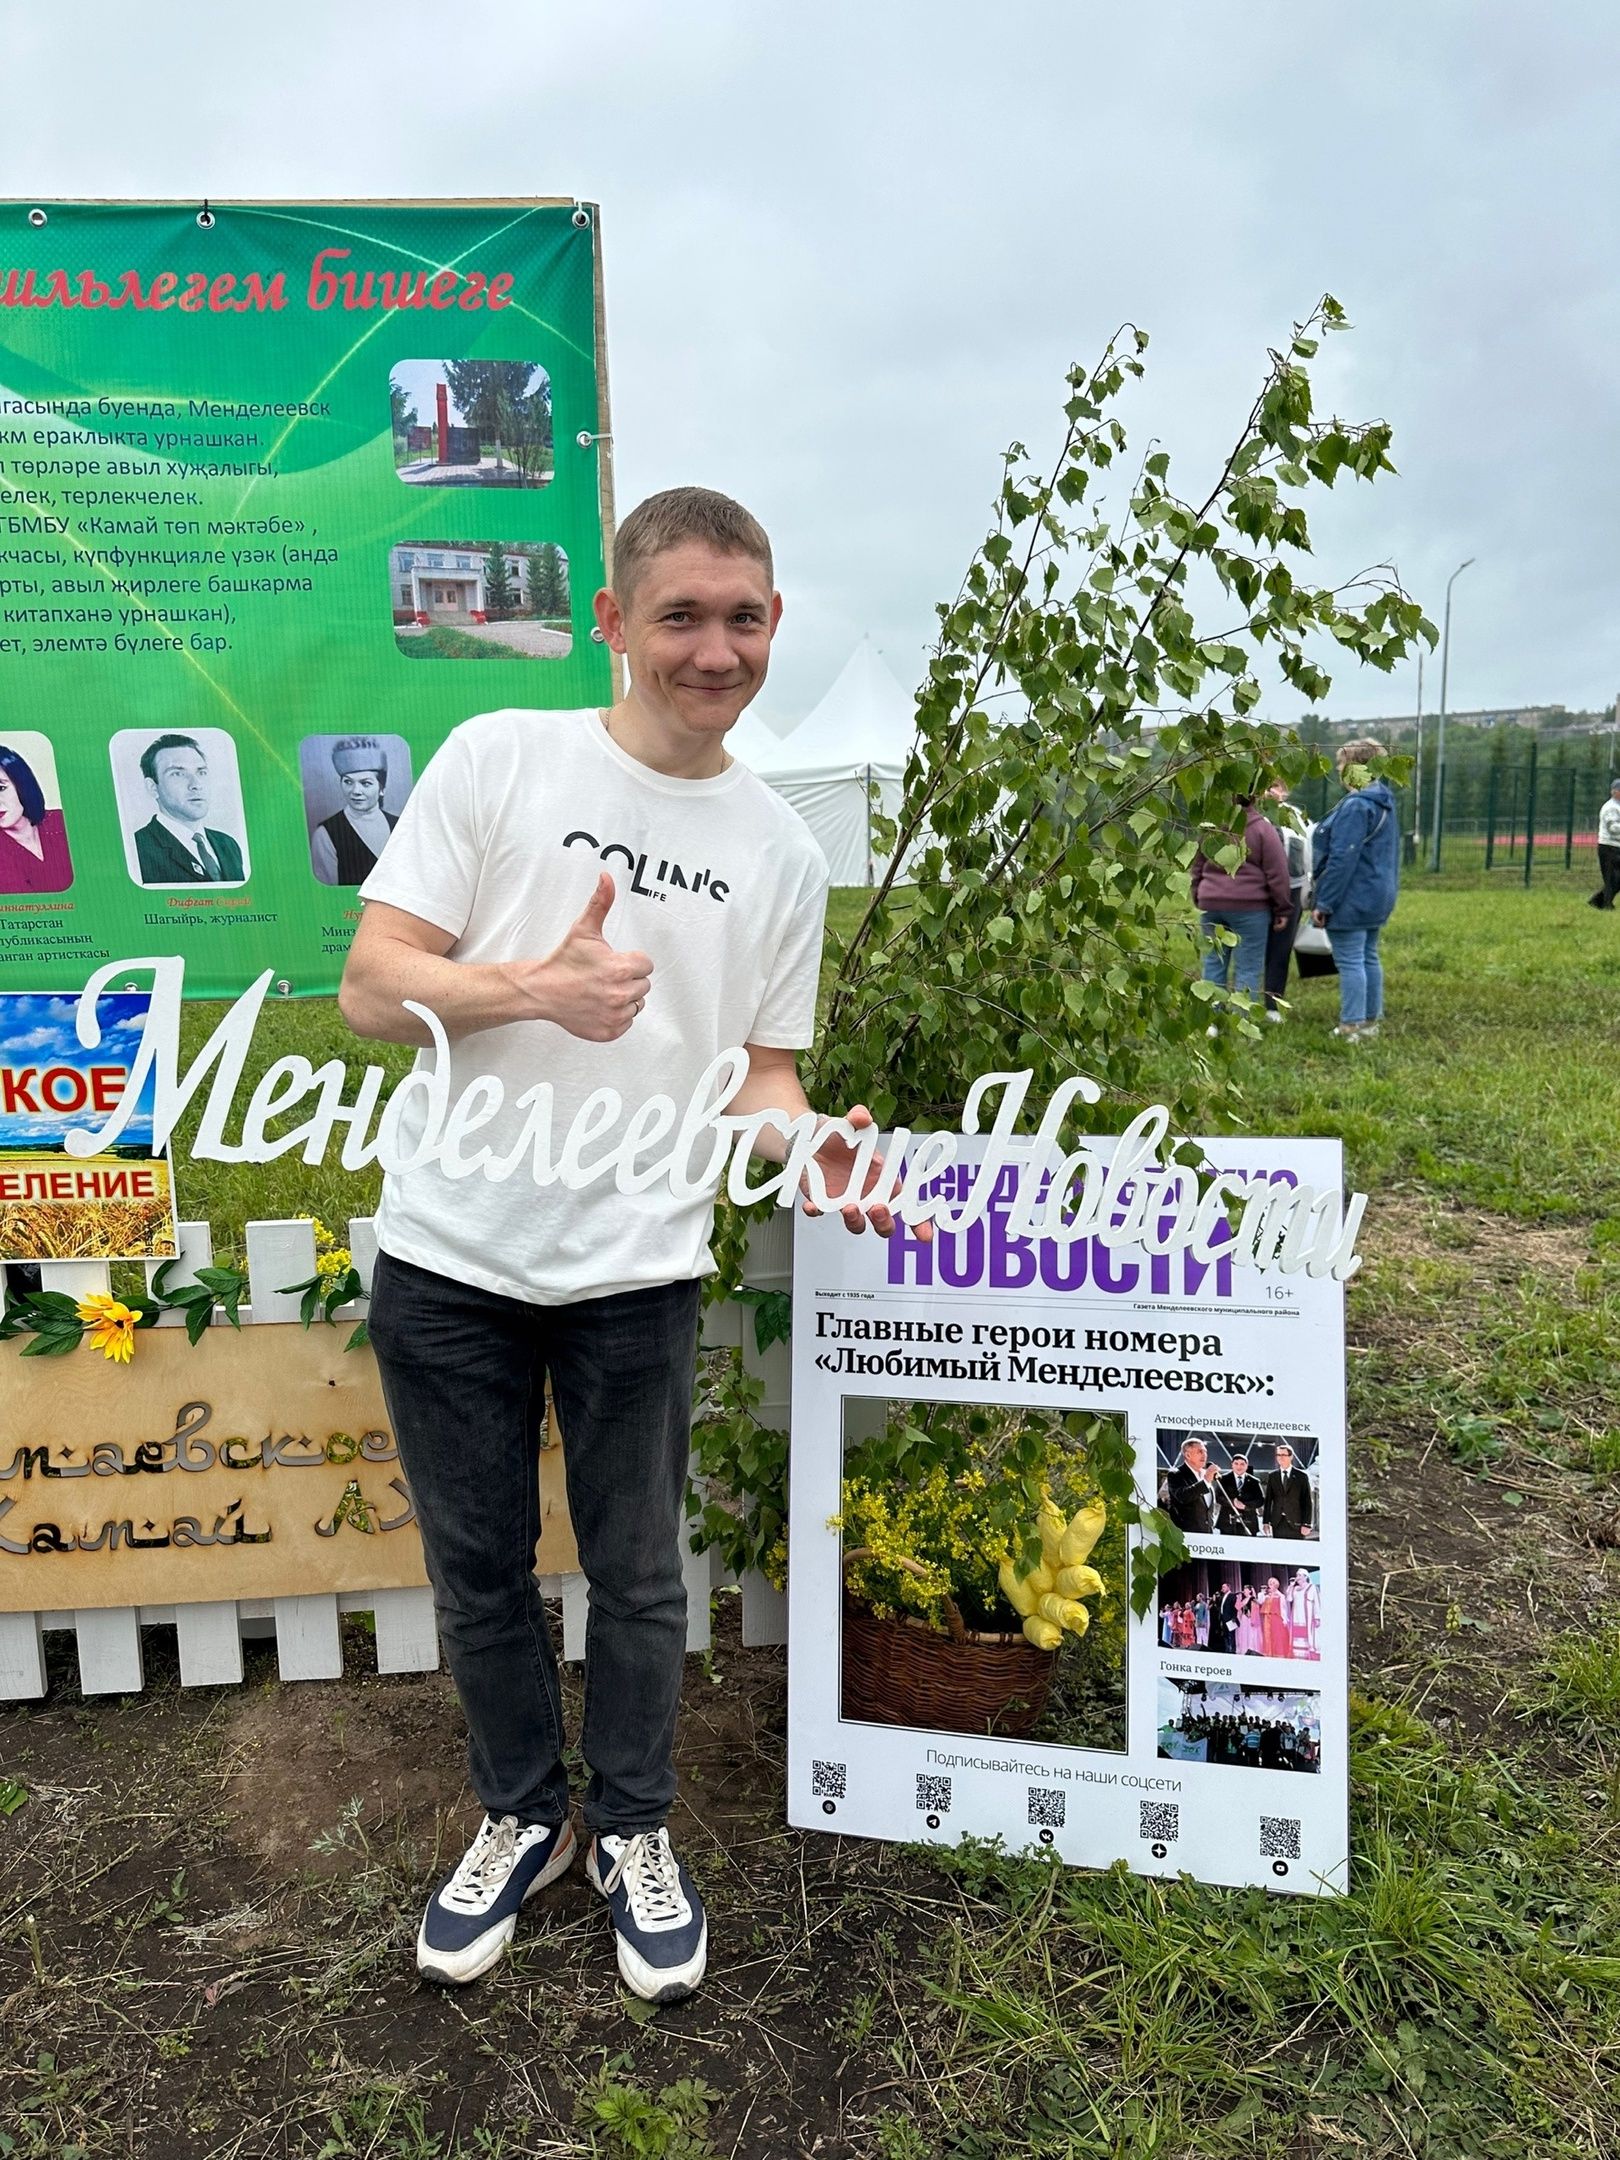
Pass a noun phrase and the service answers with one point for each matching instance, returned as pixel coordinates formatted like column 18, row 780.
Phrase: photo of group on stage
column 1224, row 1484
column 1241, row 1608
column 1244, row 1728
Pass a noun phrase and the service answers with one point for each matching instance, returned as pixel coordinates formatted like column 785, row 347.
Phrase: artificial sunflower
column 109, row 1326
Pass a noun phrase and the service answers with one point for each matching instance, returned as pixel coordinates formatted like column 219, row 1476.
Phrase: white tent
column 860, row 734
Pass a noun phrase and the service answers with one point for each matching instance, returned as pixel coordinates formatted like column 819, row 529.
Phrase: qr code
column 1159, row 1821
column 827, row 1780
column 1047, row 1807
column 1279, row 1837
column 933, row 1795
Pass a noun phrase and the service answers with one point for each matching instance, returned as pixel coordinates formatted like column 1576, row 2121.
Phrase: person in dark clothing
column 1295, row 835
column 1227, row 1617
column 1608, row 850
column 1247, row 901
column 1289, row 1510
column 1242, row 1500
column 1185, row 1496
column 1358, row 870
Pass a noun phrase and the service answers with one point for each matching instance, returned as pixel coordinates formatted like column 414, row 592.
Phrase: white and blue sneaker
column 658, row 1918
column 472, row 1915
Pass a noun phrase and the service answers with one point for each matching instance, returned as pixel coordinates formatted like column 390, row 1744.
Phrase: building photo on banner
column 260, row 506
column 936, row 1693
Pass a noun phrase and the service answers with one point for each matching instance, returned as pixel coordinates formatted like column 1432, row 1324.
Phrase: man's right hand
column 585, row 986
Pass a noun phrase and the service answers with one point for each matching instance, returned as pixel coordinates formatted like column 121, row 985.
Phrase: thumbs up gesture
column 593, row 991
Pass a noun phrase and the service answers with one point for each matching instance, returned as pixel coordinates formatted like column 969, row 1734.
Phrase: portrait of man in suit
column 1289, row 1509
column 1186, row 1494
column 177, row 845
column 1242, row 1500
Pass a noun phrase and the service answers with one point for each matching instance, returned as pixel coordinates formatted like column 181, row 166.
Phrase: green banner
column 286, row 491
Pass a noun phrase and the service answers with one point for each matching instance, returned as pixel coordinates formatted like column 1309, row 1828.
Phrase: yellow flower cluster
column 335, row 1261
column 109, row 1326
column 921, row 1543
column 1048, row 1595
column 982, row 1529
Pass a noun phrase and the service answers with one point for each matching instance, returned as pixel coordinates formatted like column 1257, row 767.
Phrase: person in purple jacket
column 1247, row 901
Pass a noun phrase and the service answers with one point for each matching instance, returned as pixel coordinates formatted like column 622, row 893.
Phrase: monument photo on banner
column 232, row 431
column 966, row 1661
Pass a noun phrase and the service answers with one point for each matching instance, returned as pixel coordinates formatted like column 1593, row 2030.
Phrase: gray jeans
column 463, row 1373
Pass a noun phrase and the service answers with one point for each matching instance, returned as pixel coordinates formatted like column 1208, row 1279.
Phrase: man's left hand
column 836, row 1159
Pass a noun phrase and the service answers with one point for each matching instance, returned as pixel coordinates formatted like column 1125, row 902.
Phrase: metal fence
column 1537, row 812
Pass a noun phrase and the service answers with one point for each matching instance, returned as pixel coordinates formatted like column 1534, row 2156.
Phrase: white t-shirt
column 1609, row 824
column 722, row 886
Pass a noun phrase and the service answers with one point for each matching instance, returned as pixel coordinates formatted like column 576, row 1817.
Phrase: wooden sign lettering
column 257, row 1464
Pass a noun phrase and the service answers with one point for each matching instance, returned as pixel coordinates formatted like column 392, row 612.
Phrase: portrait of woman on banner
column 34, row 854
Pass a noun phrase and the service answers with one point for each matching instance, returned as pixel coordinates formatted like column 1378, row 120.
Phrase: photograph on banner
column 354, row 789
column 1238, row 1484
column 937, row 1521
column 35, row 855
column 968, row 1652
column 480, row 600
column 471, row 423
column 180, row 806
column 114, row 1206
column 1232, row 1726
column 1241, row 1608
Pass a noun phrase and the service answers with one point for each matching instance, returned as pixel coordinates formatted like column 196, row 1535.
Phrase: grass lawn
column 440, row 641
column 207, row 1901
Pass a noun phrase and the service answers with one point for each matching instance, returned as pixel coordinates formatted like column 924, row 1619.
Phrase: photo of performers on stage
column 1244, row 1728
column 1241, row 1608
column 1226, row 1484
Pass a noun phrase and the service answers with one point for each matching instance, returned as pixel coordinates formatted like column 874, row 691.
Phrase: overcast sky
column 850, row 250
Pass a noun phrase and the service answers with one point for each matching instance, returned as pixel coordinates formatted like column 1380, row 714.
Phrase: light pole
column 1417, row 769
column 1440, row 738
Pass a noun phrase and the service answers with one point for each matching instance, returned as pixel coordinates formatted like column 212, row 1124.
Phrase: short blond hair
column 1360, row 752
column 680, row 514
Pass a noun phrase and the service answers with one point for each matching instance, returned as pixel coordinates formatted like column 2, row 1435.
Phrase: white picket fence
column 309, row 1640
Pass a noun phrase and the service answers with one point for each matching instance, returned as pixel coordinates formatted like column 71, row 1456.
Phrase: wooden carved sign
column 255, row 1464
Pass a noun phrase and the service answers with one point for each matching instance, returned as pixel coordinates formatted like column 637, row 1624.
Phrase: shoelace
column 486, row 1865
column 651, row 1880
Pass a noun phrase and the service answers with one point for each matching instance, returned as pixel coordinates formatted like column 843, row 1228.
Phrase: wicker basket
column 901, row 1672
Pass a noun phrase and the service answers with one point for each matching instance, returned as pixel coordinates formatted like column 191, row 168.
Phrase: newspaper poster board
column 1227, row 1758
column 287, row 491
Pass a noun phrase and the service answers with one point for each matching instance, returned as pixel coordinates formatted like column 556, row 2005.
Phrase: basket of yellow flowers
column 965, row 1568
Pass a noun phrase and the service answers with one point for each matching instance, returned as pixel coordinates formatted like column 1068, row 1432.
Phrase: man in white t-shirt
column 593, row 901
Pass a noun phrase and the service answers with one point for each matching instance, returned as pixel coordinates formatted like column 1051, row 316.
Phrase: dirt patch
column 1422, row 1226
column 298, row 1758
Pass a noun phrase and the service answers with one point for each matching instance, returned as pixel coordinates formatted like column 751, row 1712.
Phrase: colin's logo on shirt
column 668, row 874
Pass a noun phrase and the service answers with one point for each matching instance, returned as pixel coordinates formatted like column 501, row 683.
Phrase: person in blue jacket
column 1357, row 850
